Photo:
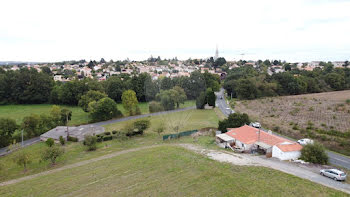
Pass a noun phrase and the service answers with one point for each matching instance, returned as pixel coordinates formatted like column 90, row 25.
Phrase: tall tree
column 130, row 102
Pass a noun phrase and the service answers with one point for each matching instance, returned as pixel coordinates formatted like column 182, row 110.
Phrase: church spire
column 216, row 53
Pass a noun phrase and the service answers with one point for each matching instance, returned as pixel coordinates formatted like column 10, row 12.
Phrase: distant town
column 158, row 68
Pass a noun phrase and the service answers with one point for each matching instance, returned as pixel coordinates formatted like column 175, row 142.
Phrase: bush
column 120, row 135
column 62, row 141
column 137, row 110
column 52, row 153
column 159, row 129
column 114, row 132
column 99, row 138
column 142, row 125
column 314, row 153
column 106, row 138
column 72, row 139
column 155, row 107
column 50, row 142
column 90, row 142
column 107, row 133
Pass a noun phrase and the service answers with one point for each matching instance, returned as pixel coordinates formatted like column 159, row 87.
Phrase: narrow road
column 4, row 151
column 334, row 158
column 221, row 103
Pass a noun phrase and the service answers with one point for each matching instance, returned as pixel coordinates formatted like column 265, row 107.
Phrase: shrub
column 107, row 133
column 120, row 135
column 347, row 101
column 99, row 138
column 114, row 132
column 72, row 139
column 62, row 141
column 314, row 153
column 90, row 142
column 137, row 110
column 295, row 127
column 106, row 138
column 155, row 107
column 52, row 153
column 159, row 129
column 142, row 125
column 50, row 142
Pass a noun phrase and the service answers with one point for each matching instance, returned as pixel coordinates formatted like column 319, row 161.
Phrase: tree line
column 28, row 86
column 248, row 82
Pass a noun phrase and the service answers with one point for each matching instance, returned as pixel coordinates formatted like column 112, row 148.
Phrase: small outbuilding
column 223, row 140
column 286, row 151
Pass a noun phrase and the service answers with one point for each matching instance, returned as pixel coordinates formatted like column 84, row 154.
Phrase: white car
column 305, row 141
column 333, row 174
column 256, row 124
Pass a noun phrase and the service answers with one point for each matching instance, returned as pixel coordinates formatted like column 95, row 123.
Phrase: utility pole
column 22, row 138
column 67, row 124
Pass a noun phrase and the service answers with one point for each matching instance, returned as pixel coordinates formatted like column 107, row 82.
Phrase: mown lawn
column 18, row 112
column 166, row 171
column 75, row 152
column 186, row 120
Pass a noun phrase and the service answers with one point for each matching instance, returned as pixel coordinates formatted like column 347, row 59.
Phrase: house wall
column 245, row 147
column 278, row 153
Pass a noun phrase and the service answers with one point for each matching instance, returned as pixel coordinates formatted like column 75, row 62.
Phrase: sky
column 56, row 30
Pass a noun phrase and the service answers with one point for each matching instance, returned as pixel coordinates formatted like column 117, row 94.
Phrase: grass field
column 308, row 115
column 166, row 171
column 18, row 112
column 75, row 152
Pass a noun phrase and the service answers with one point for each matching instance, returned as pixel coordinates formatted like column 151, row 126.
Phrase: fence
column 178, row 135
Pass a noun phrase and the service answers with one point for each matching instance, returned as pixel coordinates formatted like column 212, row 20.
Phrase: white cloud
column 42, row 30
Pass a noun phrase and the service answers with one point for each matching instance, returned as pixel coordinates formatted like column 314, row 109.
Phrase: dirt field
column 324, row 116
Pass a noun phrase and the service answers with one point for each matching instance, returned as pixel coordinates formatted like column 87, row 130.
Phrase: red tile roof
column 250, row 135
column 289, row 147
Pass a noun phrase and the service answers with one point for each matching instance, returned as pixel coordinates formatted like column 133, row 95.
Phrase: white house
column 286, row 151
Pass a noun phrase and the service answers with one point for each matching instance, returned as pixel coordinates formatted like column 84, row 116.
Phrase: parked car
column 256, row 124
column 305, row 141
column 335, row 174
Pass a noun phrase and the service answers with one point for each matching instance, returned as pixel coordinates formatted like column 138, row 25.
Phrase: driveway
column 334, row 158
column 304, row 171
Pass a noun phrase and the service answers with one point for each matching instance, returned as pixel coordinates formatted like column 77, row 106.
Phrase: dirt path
column 221, row 156
column 75, row 165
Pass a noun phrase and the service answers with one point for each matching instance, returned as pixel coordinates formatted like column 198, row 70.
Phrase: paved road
column 221, row 103
column 3, row 151
column 334, row 158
